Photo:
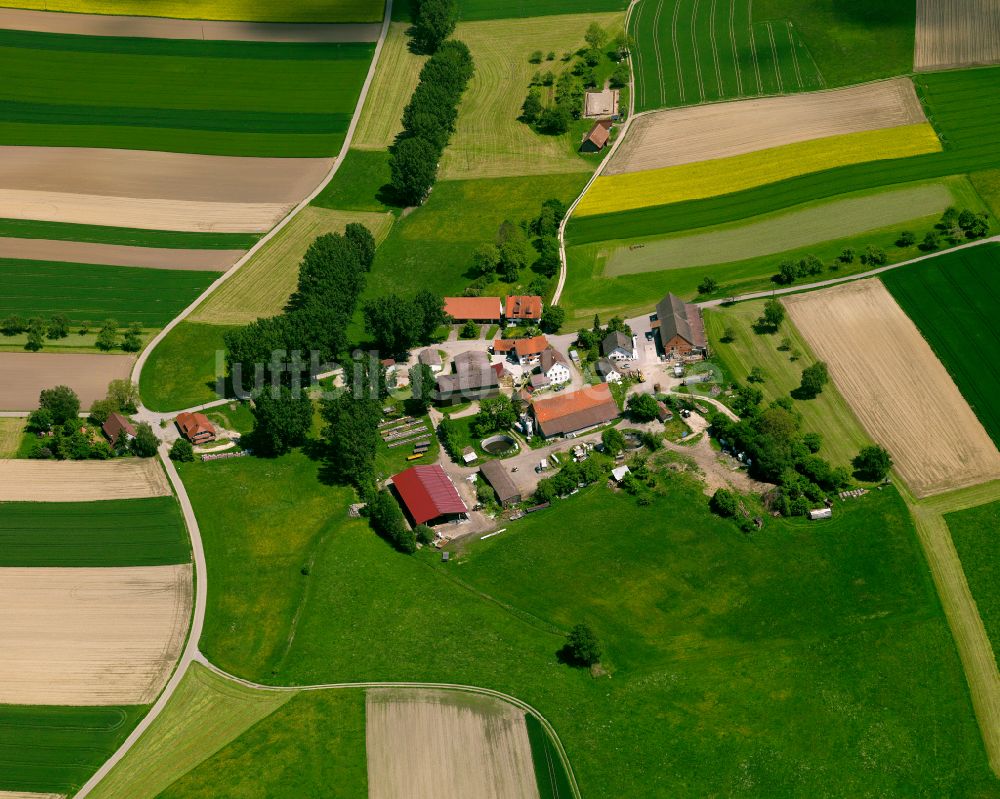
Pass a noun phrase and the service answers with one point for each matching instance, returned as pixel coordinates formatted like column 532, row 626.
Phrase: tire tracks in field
column 677, row 52
column 715, row 49
column 753, row 47
column 695, row 51
column 658, row 55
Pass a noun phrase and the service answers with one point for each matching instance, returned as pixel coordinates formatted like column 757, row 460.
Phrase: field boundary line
column 248, row 256
column 761, row 295
column 442, row 686
column 561, row 284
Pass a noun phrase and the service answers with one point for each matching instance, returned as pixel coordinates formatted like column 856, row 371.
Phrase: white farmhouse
column 618, row 346
column 554, row 367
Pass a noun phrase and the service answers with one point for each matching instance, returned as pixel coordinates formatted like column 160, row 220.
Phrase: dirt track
column 896, row 386
column 426, row 744
column 179, row 215
column 956, row 33
column 105, row 636
column 24, row 374
column 157, row 175
column 81, row 481
column 163, row 28
column 27, row 795
column 79, row 252
column 700, row 133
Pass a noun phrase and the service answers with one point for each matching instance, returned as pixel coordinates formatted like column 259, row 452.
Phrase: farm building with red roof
column 475, row 309
column 195, row 427
column 574, row 411
column 523, row 308
column 428, row 495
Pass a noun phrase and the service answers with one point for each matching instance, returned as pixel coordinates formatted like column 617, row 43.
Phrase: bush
column 642, row 407
column 182, row 451
column 387, row 521
column 872, row 463
column 724, row 503
column 906, row 239
column 145, row 443
column 424, row 534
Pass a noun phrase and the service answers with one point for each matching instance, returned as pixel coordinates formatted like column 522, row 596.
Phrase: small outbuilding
column 601, row 104
column 115, row 426
column 618, row 346
column 495, row 473
column 598, row 137
column 195, row 427
column 820, row 513
column 432, row 358
column 607, row 371
column 619, row 472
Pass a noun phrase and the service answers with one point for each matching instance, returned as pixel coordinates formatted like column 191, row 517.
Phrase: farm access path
column 168, row 28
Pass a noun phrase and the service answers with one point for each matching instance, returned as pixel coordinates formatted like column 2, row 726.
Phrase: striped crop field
column 696, row 51
column 241, row 10
column 222, row 98
column 675, row 184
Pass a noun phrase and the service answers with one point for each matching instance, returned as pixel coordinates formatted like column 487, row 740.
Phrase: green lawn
column 312, row 745
column 130, row 532
column 691, row 52
column 963, row 105
column 81, row 292
column 359, row 184
column 470, row 10
column 225, row 98
column 954, row 300
column 182, row 371
column 735, row 662
column 827, row 414
column 57, row 749
column 63, row 231
column 974, row 532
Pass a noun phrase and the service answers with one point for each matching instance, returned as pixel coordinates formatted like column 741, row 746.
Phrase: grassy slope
column 588, row 291
column 181, row 371
column 62, row 231
column 57, row 749
column 262, row 287
column 244, row 10
column 974, row 532
column 396, row 76
column 134, row 532
column 954, row 300
column 81, row 292
column 489, row 142
column 313, row 744
column 205, row 714
column 828, row 414
column 784, row 677
column 227, row 98
column 964, row 107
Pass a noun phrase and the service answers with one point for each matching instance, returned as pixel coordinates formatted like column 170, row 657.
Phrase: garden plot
column 101, row 636
column 956, row 33
column 720, row 130
column 25, row 374
column 81, row 481
column 425, row 744
column 896, row 386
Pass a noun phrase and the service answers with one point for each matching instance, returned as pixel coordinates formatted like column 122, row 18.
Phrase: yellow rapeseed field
column 726, row 175
column 243, row 10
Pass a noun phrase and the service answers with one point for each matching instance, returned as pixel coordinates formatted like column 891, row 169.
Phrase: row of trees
column 57, row 327
column 429, row 121
column 434, row 21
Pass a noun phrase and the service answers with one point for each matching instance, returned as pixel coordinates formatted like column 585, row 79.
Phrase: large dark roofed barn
column 680, row 325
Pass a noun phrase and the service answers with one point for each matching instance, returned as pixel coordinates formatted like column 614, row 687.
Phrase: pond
column 496, row 445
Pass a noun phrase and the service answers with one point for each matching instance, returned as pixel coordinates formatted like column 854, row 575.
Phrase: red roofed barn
column 428, row 495
column 575, row 410
column 476, row 309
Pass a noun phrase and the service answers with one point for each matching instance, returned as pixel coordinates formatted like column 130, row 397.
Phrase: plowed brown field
column 956, row 33
column 24, row 374
column 896, row 386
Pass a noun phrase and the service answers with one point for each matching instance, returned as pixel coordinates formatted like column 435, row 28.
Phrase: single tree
column 536, row 57
column 107, row 336
column 642, row 407
column 774, row 315
column 583, row 646
column 435, row 22
column 724, row 503
column 182, row 450
column 872, row 463
column 813, row 442
column 58, row 327
column 394, row 323
column 12, row 325
column 61, row 402
column 708, row 285
column 282, row 420
column 486, row 259
column 874, row 256
column 125, row 395
column 847, row 255
column 40, row 421
column 554, row 119
column 145, row 442
column 814, row 378
column 932, row 240
column 35, row 341
column 756, row 375
column 469, row 330
column 423, row 385
column 424, row 534
column 131, row 342
column 787, row 272
column 613, row 440
column 620, row 76
column 101, row 409
column 595, row 36
column 906, row 239
column 553, row 317
column 532, row 107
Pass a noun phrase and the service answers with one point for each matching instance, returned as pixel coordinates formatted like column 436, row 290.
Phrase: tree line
column 58, row 327
column 429, row 121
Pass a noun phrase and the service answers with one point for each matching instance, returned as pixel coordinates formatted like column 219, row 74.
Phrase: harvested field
column 10, row 436
column 489, row 141
column 160, row 176
column 118, row 255
column 721, row 130
column 27, row 795
column 263, row 286
column 956, row 33
column 91, row 636
column 180, row 215
column 396, row 76
column 247, row 10
column 81, row 481
column 426, row 744
column 162, row 28
column 896, row 386
column 25, row 374
column 693, row 181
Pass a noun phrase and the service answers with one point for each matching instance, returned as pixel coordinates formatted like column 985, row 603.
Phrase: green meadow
column 224, row 98
column 733, row 661
column 974, row 533
column 128, row 532
column 57, row 749
column 476, row 10
column 82, row 292
column 953, row 300
column 181, row 371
